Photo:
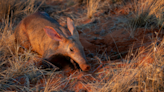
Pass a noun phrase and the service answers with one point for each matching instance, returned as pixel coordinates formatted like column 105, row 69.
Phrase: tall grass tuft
column 92, row 7
column 147, row 13
column 15, row 8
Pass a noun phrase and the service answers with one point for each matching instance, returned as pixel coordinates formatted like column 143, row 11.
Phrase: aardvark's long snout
column 83, row 64
column 85, row 67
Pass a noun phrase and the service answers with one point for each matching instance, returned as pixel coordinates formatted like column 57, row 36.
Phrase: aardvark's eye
column 71, row 50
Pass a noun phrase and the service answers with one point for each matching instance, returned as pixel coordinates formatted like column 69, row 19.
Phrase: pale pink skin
column 47, row 38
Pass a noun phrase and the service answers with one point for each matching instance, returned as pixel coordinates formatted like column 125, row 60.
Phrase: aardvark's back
column 30, row 31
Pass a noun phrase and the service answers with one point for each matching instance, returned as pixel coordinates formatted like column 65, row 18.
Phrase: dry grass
column 147, row 14
column 92, row 7
column 143, row 73
column 17, row 8
column 13, row 64
column 144, row 69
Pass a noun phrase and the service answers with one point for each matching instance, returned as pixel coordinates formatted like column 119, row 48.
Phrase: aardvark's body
column 46, row 37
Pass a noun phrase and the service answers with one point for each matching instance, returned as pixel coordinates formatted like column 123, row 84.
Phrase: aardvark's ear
column 53, row 33
column 71, row 28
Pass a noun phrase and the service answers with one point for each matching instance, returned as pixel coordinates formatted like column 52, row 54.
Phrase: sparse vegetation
column 17, row 8
column 124, row 45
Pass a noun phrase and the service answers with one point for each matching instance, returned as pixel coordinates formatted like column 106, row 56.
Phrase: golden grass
column 12, row 63
column 92, row 7
column 143, row 76
column 15, row 8
column 147, row 14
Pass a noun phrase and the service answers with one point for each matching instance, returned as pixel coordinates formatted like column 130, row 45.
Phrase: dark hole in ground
column 62, row 62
